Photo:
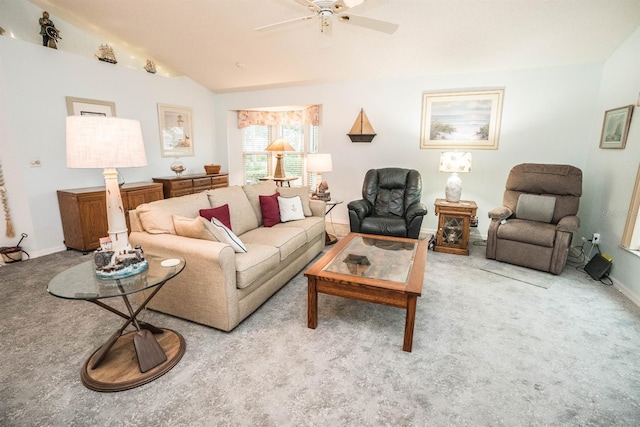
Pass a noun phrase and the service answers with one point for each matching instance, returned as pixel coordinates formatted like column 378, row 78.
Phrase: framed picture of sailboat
column 462, row 120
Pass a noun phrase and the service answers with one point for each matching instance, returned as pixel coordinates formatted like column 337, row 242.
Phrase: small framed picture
column 90, row 107
column 615, row 127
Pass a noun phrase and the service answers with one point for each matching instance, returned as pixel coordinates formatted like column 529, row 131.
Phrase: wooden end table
column 125, row 360
column 379, row 269
column 453, row 226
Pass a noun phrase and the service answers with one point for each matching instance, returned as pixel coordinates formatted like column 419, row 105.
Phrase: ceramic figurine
column 48, row 31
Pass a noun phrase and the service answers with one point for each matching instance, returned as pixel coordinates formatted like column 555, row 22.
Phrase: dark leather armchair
column 535, row 225
column 390, row 204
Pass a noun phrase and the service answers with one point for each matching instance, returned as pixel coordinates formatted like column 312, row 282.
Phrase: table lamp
column 320, row 162
column 454, row 162
column 279, row 145
column 107, row 143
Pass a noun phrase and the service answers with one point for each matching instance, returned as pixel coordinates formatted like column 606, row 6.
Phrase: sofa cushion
column 303, row 192
column 290, row 208
column 221, row 213
column 243, row 217
column 193, row 227
column 313, row 226
column 157, row 217
column 269, row 210
column 535, row 208
column 259, row 261
column 286, row 239
column 254, row 191
column 225, row 235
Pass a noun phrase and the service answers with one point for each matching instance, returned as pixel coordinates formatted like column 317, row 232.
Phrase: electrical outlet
column 596, row 238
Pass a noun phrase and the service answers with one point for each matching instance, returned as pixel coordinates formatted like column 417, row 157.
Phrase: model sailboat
column 362, row 131
column 105, row 54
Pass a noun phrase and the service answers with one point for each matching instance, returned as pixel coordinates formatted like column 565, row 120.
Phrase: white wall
column 609, row 183
column 543, row 120
column 34, row 81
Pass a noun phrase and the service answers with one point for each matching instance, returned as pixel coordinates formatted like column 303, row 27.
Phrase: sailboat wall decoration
column 362, row 131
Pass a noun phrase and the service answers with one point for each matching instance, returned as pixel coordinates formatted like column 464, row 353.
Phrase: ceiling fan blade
column 373, row 24
column 309, row 4
column 279, row 24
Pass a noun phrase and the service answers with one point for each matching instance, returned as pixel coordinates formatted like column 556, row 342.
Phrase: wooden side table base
column 120, row 370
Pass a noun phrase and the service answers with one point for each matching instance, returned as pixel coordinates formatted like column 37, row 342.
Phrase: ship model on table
column 105, row 54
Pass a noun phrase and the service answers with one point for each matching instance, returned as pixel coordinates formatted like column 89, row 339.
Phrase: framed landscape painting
column 615, row 127
column 461, row 120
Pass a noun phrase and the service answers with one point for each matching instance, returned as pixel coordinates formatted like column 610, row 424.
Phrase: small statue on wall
column 48, row 31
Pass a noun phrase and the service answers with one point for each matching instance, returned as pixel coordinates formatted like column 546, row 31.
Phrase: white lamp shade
column 455, row 161
column 104, row 142
column 317, row 162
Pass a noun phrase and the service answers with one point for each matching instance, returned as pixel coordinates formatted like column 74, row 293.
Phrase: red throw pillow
column 220, row 213
column 270, row 210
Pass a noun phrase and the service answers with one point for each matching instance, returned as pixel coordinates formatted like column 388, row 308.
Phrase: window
column 259, row 163
column 631, row 236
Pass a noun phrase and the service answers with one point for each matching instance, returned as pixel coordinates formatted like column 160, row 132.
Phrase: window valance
column 310, row 115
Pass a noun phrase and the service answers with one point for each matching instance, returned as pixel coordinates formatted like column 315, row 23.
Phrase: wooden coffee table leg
column 312, row 307
column 412, row 301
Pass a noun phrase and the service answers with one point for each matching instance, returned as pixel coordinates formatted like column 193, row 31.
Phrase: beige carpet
column 520, row 274
column 487, row 351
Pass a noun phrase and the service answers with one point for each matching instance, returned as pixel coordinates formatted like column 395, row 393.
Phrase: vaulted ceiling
column 214, row 42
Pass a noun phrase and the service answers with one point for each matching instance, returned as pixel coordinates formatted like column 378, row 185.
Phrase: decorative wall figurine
column 48, row 31
column 150, row 67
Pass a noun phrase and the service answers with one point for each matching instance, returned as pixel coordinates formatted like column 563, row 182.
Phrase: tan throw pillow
column 156, row 217
column 193, row 227
column 303, row 192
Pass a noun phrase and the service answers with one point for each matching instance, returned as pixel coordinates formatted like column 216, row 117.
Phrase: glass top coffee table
column 380, row 269
column 125, row 360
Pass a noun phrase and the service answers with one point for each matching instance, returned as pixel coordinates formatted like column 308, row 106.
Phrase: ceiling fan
column 332, row 10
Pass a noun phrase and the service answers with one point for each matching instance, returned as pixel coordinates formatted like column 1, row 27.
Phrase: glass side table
column 125, row 360
column 330, row 239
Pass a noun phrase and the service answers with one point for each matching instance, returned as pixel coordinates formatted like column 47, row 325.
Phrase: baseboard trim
column 634, row 298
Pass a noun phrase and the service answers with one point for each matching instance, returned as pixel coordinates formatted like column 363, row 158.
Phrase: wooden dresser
column 84, row 211
column 174, row 186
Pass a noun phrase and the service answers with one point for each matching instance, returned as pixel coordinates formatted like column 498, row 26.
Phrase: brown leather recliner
column 390, row 204
column 535, row 225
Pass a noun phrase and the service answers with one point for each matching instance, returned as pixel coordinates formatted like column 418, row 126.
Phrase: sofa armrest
column 205, row 292
column 361, row 208
column 569, row 223
column 318, row 207
column 500, row 213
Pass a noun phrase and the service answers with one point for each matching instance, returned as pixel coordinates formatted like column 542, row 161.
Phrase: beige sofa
column 220, row 287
